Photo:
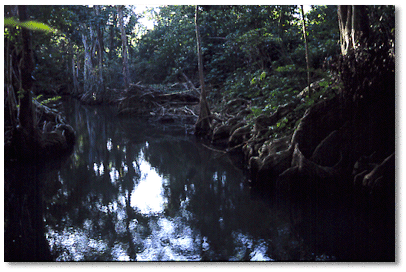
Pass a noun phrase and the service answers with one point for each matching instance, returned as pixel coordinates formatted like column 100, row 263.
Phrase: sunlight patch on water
column 109, row 144
column 125, row 168
column 249, row 249
column 170, row 241
column 259, row 253
column 119, row 253
column 98, row 170
column 148, row 196
column 76, row 244
column 114, row 175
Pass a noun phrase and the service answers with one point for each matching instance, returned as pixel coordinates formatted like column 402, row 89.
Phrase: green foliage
column 253, row 52
column 38, row 97
column 20, row 93
column 31, row 25
column 48, row 100
column 258, row 79
column 170, row 48
column 255, row 112
column 282, row 123
column 249, row 51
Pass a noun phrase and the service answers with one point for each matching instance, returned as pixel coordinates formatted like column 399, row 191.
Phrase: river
column 146, row 191
column 134, row 190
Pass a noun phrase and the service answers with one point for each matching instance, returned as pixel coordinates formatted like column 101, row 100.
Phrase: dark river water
column 136, row 190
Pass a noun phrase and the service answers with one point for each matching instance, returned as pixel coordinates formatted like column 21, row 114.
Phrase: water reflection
column 139, row 191
column 148, row 196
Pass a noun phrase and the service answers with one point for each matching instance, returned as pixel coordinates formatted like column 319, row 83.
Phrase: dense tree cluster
column 248, row 51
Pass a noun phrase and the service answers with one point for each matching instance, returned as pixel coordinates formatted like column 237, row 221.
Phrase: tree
column 126, row 73
column 92, row 40
column 354, row 27
column 100, row 44
column 307, row 51
column 26, row 67
column 203, row 125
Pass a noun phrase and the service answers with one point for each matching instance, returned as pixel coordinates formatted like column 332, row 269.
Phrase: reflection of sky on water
column 147, row 196
column 168, row 244
column 169, row 240
column 76, row 242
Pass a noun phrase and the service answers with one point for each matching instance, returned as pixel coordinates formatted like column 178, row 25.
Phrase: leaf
column 31, row 25
column 10, row 22
column 262, row 76
column 324, row 84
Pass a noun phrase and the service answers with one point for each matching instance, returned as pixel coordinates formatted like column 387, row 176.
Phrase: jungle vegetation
column 308, row 98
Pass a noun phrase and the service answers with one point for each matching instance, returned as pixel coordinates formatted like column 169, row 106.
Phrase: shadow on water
column 134, row 190
column 24, row 228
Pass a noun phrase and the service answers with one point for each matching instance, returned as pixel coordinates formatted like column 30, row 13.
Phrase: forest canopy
column 248, row 51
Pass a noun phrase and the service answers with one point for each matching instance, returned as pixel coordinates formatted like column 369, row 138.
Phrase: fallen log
column 144, row 101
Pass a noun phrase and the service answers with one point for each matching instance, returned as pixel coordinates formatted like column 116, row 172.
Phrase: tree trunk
column 100, row 48
column 112, row 32
column 74, row 78
column 74, row 70
column 353, row 24
column 307, row 52
column 10, row 101
column 203, row 124
column 124, row 48
column 87, row 69
column 26, row 67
